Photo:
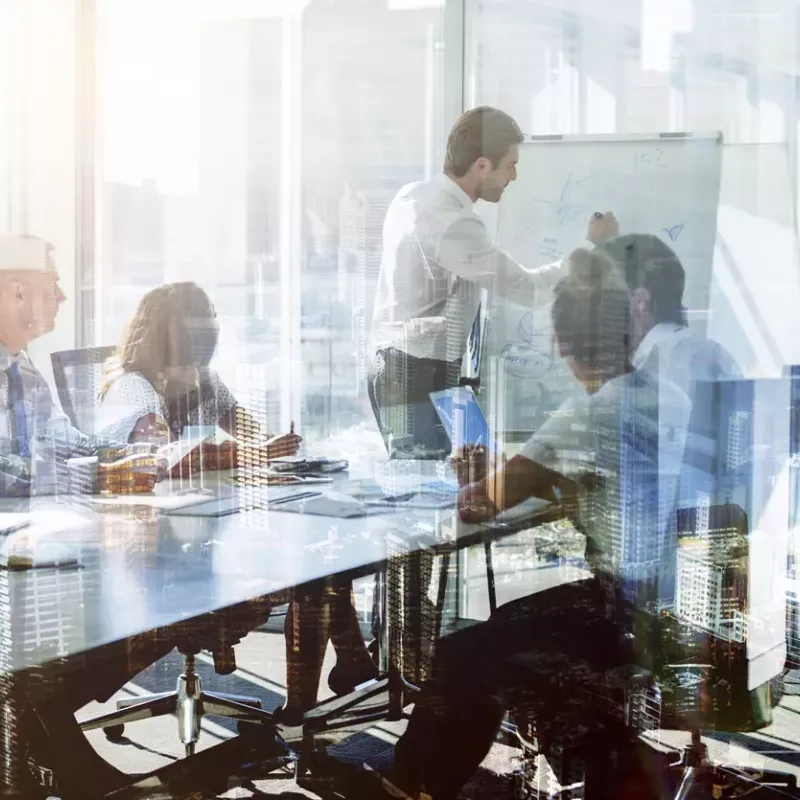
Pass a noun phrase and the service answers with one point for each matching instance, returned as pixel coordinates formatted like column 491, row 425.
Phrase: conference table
column 129, row 566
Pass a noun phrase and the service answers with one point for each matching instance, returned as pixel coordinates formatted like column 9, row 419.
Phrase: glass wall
column 657, row 69
column 189, row 168
column 624, row 68
column 40, row 140
column 632, row 67
column 255, row 150
column 371, row 122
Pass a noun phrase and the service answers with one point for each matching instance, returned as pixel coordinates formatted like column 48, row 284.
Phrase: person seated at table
column 36, row 437
column 661, row 339
column 598, row 456
column 159, row 382
column 36, row 440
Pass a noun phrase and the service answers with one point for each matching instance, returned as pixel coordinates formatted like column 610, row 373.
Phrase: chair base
column 694, row 773
column 189, row 703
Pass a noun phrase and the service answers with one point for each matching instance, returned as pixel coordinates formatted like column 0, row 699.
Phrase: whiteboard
column 666, row 184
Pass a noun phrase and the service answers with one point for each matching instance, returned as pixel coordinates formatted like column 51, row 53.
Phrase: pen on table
column 14, row 528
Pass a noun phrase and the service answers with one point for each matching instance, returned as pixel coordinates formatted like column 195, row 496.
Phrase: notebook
column 231, row 504
column 333, row 504
column 193, row 437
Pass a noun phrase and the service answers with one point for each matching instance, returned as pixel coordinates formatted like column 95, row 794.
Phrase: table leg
column 11, row 760
column 307, row 633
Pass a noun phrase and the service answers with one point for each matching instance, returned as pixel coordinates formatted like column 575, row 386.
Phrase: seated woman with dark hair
column 159, row 383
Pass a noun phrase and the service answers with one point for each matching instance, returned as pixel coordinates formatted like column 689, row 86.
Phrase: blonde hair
column 591, row 312
column 156, row 341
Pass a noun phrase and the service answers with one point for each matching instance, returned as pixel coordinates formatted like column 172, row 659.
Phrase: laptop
column 462, row 418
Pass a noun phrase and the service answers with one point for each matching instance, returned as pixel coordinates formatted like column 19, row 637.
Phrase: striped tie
column 16, row 395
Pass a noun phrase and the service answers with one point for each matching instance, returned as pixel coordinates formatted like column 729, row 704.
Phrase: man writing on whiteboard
column 437, row 255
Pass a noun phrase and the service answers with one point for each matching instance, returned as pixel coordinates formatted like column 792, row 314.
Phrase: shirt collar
column 7, row 358
column 656, row 335
column 452, row 188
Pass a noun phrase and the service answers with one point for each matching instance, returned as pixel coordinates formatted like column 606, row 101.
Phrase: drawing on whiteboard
column 572, row 200
column 674, row 231
column 567, row 214
column 549, row 249
column 661, row 185
column 529, row 354
column 528, row 360
column 530, row 333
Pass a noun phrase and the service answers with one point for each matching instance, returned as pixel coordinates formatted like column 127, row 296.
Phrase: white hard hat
column 25, row 252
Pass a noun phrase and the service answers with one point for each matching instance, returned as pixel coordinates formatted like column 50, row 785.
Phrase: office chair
column 78, row 375
column 217, row 632
column 689, row 673
column 410, row 625
column 473, row 383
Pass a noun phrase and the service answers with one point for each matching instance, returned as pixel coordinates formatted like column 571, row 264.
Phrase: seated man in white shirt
column 662, row 342
column 437, row 255
column 36, row 437
column 601, row 449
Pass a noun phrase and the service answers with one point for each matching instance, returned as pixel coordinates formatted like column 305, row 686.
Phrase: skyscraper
column 361, row 215
column 711, row 592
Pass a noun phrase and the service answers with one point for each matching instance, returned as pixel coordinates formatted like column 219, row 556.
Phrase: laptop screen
column 462, row 417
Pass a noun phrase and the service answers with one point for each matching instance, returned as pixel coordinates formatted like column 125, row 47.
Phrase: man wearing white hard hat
column 36, row 437
column 33, row 430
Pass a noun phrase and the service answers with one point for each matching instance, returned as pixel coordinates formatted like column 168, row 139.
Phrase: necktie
column 475, row 343
column 16, row 396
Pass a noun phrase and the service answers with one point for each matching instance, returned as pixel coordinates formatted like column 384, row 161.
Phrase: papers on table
column 331, row 504
column 49, row 538
column 163, row 502
column 193, row 437
column 266, row 476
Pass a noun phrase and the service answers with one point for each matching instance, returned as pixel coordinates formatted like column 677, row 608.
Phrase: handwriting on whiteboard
column 526, row 359
column 674, row 231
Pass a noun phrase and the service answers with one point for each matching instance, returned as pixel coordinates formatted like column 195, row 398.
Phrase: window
column 189, row 172
column 371, row 109
column 633, row 67
column 255, row 150
column 649, row 67
column 39, row 141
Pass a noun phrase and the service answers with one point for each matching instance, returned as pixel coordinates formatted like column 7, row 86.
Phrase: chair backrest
column 705, row 668
column 78, row 375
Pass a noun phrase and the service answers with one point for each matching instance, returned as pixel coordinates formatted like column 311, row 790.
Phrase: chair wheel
column 114, row 733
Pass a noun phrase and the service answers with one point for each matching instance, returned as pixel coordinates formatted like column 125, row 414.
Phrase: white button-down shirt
column 678, row 355
column 436, row 255
column 625, row 459
column 678, row 358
